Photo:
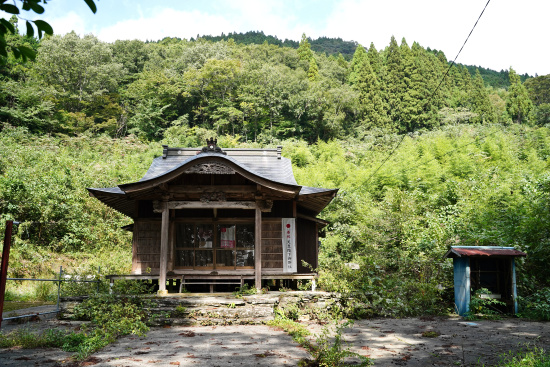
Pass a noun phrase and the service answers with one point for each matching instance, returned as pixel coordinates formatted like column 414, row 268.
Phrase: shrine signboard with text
column 289, row 245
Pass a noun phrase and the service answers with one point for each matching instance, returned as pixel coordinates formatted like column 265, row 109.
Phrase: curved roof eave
column 205, row 157
column 317, row 191
column 114, row 198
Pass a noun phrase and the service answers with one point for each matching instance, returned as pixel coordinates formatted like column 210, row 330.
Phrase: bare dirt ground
column 459, row 343
column 388, row 342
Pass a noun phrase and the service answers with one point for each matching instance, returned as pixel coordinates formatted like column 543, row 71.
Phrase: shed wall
column 461, row 267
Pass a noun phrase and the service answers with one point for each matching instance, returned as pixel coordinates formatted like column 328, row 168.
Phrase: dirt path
column 389, row 342
column 400, row 342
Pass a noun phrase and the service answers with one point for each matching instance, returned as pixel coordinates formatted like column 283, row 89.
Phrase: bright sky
column 510, row 32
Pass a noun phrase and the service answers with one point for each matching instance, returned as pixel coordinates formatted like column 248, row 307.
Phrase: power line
column 435, row 90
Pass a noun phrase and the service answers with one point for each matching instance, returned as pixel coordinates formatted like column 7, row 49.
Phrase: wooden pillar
column 258, row 249
column 171, row 240
column 164, row 235
column 136, row 266
column 316, row 247
column 514, row 288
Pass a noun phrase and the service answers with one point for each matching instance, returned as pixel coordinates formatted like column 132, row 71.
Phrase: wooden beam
column 289, row 276
column 230, row 189
column 258, row 249
column 313, row 219
column 164, row 234
column 194, row 276
column 157, row 205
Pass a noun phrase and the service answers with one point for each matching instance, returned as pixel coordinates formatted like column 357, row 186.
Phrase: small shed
column 490, row 267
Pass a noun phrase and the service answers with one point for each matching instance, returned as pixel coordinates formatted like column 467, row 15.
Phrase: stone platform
column 226, row 308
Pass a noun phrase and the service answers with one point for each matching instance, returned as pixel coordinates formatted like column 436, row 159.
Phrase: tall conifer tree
column 393, row 81
column 409, row 111
column 364, row 80
column 357, row 62
column 379, row 70
column 462, row 86
column 342, row 62
column 481, row 105
column 375, row 114
column 305, row 54
column 518, row 103
column 433, row 73
column 304, row 49
column 423, row 100
column 313, row 71
column 375, row 60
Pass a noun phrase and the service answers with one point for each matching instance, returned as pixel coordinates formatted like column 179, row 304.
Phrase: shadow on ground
column 389, row 342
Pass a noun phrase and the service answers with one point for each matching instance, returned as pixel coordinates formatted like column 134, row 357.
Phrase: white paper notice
column 227, row 237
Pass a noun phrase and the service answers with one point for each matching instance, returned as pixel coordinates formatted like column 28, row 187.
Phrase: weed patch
column 430, row 334
column 536, row 306
column 245, row 290
column 531, row 357
column 482, row 306
column 297, row 331
column 110, row 316
column 329, row 348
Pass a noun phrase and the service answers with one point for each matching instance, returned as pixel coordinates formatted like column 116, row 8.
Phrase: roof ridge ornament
column 212, row 147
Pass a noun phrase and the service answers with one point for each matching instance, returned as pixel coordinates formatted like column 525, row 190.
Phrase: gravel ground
column 389, row 342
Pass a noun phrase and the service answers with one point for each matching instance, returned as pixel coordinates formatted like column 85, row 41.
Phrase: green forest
column 427, row 154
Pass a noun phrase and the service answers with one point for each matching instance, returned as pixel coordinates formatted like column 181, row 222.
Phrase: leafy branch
column 14, row 7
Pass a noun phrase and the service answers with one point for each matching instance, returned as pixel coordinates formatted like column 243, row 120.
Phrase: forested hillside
column 336, row 46
column 422, row 161
column 326, row 45
column 260, row 92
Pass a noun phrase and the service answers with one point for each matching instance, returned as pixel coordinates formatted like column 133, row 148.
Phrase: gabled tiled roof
column 269, row 167
column 267, row 164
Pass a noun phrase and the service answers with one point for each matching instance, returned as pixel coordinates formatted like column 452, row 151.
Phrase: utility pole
column 5, row 260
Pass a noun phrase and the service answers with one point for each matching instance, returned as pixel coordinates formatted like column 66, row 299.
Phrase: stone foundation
column 226, row 309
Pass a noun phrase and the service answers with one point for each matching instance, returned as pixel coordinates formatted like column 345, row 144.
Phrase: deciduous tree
column 42, row 27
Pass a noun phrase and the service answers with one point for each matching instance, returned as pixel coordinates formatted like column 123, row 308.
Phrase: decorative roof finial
column 212, row 147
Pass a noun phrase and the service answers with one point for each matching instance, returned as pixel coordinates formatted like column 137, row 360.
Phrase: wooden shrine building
column 213, row 215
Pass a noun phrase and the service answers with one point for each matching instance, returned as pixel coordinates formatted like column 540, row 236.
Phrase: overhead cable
column 435, row 90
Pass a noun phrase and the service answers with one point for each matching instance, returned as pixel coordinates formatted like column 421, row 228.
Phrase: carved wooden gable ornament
column 211, row 168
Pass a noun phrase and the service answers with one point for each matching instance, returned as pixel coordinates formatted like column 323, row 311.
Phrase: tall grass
column 30, row 291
